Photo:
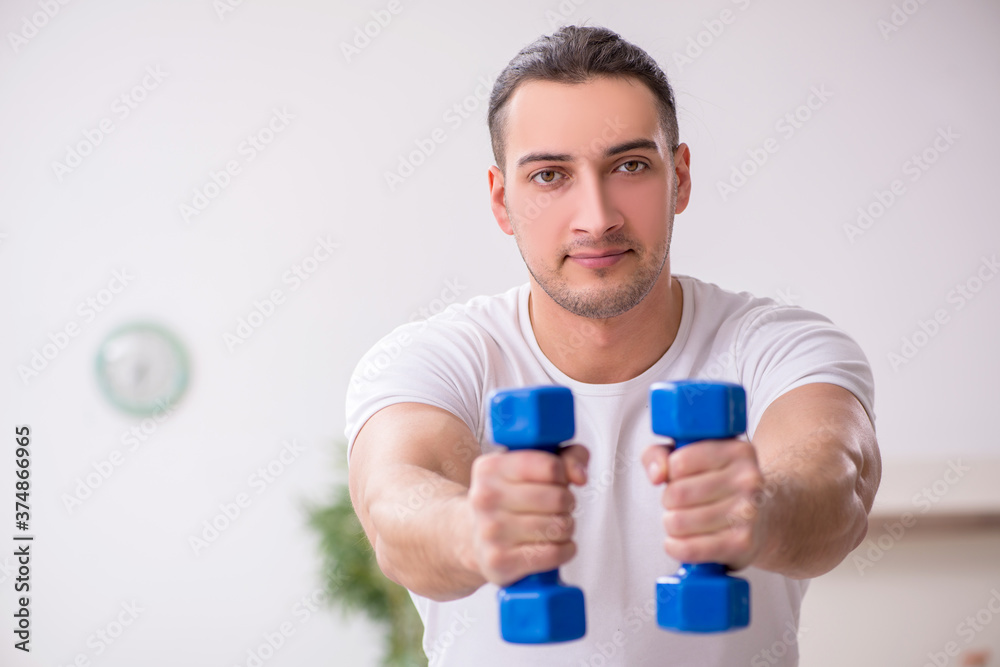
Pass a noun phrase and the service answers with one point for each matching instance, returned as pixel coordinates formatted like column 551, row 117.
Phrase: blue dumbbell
column 700, row 597
column 540, row 608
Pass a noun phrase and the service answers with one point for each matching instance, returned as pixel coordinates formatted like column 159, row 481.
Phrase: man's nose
column 596, row 213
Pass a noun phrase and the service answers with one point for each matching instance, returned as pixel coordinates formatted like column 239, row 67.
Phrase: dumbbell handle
column 549, row 578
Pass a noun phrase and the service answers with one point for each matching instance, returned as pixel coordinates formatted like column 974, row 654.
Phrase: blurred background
column 210, row 209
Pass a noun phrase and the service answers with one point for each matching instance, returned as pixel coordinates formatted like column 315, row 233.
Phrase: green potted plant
column 355, row 584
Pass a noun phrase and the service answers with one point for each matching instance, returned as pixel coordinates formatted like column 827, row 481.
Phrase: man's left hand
column 714, row 501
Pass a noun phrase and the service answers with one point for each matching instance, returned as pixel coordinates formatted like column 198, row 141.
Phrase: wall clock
column 142, row 368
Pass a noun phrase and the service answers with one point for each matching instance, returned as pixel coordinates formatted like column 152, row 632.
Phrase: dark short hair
column 576, row 54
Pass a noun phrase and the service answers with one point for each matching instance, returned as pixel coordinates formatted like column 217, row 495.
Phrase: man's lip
column 601, row 260
column 607, row 253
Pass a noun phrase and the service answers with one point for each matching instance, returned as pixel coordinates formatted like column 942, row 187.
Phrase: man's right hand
column 522, row 511
column 470, row 517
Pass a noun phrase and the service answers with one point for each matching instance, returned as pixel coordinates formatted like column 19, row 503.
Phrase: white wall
column 782, row 233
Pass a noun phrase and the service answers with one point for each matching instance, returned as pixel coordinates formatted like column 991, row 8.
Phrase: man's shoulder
column 709, row 299
column 721, row 312
column 456, row 342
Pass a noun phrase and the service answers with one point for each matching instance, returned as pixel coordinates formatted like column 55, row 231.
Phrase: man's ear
column 682, row 172
column 497, row 192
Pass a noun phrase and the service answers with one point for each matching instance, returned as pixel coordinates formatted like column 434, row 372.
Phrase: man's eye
column 546, row 176
column 634, row 166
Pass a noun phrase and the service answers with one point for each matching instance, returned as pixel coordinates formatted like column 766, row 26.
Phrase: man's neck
column 611, row 350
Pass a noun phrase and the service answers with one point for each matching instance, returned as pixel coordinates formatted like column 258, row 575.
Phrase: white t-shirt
column 455, row 359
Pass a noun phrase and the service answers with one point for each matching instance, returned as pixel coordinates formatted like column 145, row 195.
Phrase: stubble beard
column 610, row 299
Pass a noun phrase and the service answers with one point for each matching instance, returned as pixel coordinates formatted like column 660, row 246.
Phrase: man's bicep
column 420, row 435
column 402, row 440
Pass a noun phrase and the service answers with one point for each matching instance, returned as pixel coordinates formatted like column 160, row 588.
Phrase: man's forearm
column 821, row 467
column 813, row 519
column 420, row 524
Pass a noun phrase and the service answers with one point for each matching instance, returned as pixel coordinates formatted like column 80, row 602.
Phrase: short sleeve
column 782, row 347
column 436, row 362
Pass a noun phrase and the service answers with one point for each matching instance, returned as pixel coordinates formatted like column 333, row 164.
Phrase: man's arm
column 442, row 518
column 795, row 501
column 409, row 476
column 819, row 457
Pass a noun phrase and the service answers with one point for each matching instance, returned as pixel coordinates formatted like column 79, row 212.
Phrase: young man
column 588, row 176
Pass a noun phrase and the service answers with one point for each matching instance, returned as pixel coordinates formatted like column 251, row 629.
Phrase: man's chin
column 598, row 304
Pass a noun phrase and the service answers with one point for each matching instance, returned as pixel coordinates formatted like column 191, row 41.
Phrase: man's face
column 590, row 191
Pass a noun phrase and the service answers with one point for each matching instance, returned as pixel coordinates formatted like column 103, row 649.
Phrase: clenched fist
column 522, row 511
column 712, row 502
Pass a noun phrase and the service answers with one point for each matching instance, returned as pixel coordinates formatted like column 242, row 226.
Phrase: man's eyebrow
column 543, row 157
column 609, row 152
column 631, row 146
